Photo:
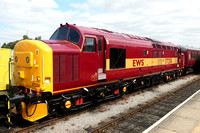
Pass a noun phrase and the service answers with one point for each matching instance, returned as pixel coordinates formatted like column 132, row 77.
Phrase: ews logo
column 138, row 62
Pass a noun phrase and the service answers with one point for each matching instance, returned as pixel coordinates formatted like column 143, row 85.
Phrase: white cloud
column 162, row 20
column 38, row 17
column 173, row 20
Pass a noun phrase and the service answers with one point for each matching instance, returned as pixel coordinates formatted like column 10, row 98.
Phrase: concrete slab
column 196, row 98
column 193, row 104
column 161, row 130
column 189, row 113
column 178, row 124
column 196, row 129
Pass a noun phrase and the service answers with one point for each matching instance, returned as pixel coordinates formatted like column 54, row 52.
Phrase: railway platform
column 185, row 118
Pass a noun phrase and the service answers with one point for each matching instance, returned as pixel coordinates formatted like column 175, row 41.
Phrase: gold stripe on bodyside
column 107, row 64
column 148, row 62
column 145, row 62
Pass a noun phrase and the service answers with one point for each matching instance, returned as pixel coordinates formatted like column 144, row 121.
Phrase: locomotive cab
column 81, row 56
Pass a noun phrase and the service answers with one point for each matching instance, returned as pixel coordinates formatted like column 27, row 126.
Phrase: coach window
column 89, row 45
column 175, row 53
column 144, row 52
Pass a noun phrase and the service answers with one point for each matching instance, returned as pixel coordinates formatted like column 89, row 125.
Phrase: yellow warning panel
column 5, row 54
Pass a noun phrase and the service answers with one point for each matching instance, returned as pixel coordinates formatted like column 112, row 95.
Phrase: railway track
column 102, row 128
column 144, row 116
column 50, row 121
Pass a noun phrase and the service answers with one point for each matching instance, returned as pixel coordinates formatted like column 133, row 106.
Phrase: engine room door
column 101, row 59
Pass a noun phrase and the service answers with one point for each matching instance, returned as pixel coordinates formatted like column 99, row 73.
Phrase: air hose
column 33, row 111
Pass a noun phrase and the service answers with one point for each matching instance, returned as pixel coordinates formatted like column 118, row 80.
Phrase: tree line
column 11, row 45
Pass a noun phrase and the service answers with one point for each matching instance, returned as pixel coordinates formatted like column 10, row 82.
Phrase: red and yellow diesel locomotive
column 79, row 66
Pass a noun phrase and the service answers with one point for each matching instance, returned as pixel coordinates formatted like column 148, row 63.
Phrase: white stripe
column 168, row 114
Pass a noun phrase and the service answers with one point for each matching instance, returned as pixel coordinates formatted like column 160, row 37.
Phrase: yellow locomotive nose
column 33, row 65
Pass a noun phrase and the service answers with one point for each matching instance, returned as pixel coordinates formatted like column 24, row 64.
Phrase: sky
column 176, row 21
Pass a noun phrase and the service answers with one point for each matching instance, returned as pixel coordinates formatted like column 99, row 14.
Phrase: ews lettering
column 139, row 62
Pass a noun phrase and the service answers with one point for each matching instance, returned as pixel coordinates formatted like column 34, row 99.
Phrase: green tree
column 38, row 38
column 4, row 45
column 25, row 37
column 11, row 45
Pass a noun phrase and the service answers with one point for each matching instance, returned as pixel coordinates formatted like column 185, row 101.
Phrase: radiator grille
column 56, row 71
column 69, row 68
column 72, row 68
column 62, row 68
column 59, row 68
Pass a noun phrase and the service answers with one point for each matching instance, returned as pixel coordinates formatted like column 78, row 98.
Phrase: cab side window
column 90, row 45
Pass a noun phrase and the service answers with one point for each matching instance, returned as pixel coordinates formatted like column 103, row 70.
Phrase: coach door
column 101, row 59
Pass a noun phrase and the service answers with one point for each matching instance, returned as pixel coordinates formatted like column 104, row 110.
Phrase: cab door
column 89, row 60
column 101, row 58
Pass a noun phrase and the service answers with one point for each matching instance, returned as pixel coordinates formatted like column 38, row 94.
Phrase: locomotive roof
column 110, row 35
column 122, row 39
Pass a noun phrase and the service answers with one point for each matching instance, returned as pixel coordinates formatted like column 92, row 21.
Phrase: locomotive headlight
column 16, row 58
column 27, row 59
column 38, row 78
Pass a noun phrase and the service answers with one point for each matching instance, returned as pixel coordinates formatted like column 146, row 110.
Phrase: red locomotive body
column 95, row 56
column 79, row 66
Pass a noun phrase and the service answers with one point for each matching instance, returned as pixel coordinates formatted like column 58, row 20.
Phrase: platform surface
column 185, row 118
